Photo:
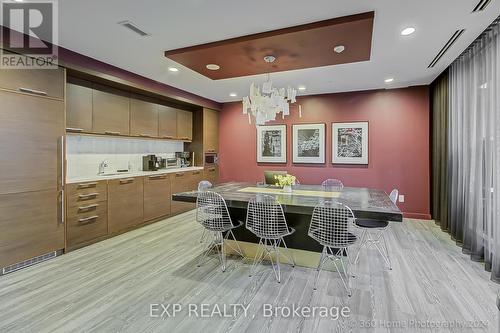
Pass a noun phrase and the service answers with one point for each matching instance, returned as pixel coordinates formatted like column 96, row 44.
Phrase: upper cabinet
column 79, row 107
column 111, row 112
column 167, row 122
column 210, row 130
column 41, row 82
column 143, row 118
column 184, row 125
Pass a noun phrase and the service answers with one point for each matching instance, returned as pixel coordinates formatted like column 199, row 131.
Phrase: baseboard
column 419, row 216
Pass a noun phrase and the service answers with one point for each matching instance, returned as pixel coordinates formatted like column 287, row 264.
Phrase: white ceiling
column 90, row 28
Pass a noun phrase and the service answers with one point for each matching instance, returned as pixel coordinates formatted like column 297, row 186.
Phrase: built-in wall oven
column 211, row 158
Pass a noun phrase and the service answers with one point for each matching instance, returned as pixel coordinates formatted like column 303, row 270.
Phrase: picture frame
column 309, row 143
column 271, row 144
column 350, row 143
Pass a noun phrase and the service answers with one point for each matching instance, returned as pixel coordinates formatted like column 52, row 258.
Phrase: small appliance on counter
column 152, row 163
column 186, row 158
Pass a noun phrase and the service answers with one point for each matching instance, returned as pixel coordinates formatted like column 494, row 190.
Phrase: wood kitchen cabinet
column 79, row 106
column 184, row 125
column 210, row 130
column 211, row 174
column 143, row 118
column 183, row 182
column 167, row 122
column 156, row 197
column 111, row 111
column 41, row 82
column 31, row 128
column 86, row 213
column 125, row 203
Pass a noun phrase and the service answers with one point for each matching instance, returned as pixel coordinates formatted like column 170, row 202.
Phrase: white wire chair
column 374, row 234
column 333, row 184
column 213, row 215
column 265, row 219
column 332, row 225
column 204, row 185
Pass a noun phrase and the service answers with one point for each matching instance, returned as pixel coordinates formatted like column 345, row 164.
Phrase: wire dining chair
column 333, row 184
column 374, row 234
column 332, row 225
column 213, row 215
column 265, row 219
column 204, row 185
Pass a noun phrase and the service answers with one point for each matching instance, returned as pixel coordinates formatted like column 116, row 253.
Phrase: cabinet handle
column 211, row 170
column 88, row 196
column 87, row 185
column 111, row 133
column 88, row 207
column 126, row 181
column 33, row 91
column 72, row 129
column 88, row 219
column 196, row 172
column 179, row 175
column 157, row 177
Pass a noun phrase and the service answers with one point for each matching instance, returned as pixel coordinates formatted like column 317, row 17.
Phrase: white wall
column 84, row 153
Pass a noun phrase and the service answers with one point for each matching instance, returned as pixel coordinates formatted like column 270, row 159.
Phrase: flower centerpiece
column 285, row 181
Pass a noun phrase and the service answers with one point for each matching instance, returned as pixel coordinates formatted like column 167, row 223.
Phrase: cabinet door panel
column 181, row 182
column 156, row 197
column 184, row 125
column 78, row 108
column 167, row 127
column 42, row 81
column 86, row 222
column 30, row 131
column 211, row 174
column 125, row 203
column 111, row 112
column 210, row 130
column 30, row 225
column 143, row 118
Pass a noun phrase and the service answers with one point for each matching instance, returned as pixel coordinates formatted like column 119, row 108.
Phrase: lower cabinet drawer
column 86, row 222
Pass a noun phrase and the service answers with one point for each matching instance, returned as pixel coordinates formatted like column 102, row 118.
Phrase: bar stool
column 374, row 233
column 333, row 184
column 213, row 215
column 332, row 225
column 265, row 219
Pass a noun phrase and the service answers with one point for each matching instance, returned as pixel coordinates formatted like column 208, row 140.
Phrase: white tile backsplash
column 85, row 153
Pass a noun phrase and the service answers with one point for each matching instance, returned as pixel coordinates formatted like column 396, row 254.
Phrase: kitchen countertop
column 129, row 175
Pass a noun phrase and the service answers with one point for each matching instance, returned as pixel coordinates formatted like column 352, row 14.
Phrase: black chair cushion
column 368, row 223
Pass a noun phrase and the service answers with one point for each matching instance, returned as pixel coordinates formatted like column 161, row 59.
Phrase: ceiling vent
column 446, row 47
column 131, row 26
column 481, row 5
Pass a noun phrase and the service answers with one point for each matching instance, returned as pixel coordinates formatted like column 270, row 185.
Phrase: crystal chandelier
column 265, row 102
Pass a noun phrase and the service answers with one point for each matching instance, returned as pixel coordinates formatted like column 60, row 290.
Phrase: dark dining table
column 366, row 203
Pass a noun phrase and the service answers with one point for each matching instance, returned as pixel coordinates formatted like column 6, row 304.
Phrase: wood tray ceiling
column 304, row 46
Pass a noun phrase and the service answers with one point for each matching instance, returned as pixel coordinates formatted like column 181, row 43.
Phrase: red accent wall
column 398, row 143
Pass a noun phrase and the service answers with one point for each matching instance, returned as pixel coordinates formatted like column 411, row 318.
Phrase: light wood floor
column 109, row 286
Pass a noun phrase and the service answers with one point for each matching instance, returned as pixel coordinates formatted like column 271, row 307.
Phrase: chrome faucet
column 102, row 166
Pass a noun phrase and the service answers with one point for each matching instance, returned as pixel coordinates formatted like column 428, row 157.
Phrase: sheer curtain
column 474, row 150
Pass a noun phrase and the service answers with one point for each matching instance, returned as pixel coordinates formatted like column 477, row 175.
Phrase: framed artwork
column 350, row 143
column 308, row 143
column 271, row 144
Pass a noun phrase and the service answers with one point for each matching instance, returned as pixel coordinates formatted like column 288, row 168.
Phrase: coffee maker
column 185, row 157
column 152, row 163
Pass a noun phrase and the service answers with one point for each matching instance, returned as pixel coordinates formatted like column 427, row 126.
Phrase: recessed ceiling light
column 233, row 94
column 213, row 67
column 339, row 48
column 173, row 69
column 389, row 80
column 302, row 88
column 407, row 31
